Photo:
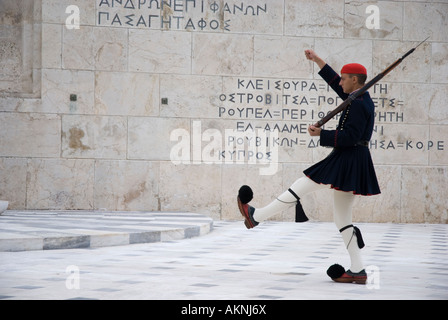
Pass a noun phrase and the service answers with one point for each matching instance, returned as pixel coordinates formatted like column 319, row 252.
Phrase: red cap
column 354, row 68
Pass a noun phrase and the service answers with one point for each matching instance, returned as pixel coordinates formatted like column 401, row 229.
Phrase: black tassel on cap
column 245, row 194
column 335, row 271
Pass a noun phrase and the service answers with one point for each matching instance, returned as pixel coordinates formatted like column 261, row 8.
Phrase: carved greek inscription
column 288, row 107
column 190, row 15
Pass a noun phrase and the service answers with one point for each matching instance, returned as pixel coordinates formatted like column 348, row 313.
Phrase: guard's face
column 348, row 83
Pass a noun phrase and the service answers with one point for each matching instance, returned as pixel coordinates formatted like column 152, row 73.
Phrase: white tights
column 343, row 203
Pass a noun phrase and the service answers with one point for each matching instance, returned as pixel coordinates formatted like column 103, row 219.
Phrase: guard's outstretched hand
column 314, row 131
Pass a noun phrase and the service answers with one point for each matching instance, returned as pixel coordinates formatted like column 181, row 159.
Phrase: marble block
column 30, row 135
column 173, row 235
column 287, row 52
column 110, row 49
column 145, row 237
column 55, row 11
column 222, row 54
column 258, row 16
column 357, row 23
column 126, row 93
column 150, row 138
column 103, row 239
column 338, row 52
column 439, row 63
column 200, row 99
column 51, row 46
column 14, row 242
column 95, row 48
column 423, row 103
column 127, row 185
column 77, row 49
column 20, row 48
column 423, row 195
column 413, row 68
column 67, row 242
column 159, row 51
column 401, row 144
column 438, row 153
column 94, row 136
column 47, row 187
column 58, row 85
column 423, row 19
column 13, row 173
column 190, row 188
column 322, row 18
column 437, row 95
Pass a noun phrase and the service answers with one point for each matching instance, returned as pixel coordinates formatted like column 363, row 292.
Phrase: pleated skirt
column 348, row 169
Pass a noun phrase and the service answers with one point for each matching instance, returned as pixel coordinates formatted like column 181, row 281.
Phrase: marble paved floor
column 276, row 260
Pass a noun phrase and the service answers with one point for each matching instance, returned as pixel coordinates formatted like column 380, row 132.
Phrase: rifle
column 359, row 92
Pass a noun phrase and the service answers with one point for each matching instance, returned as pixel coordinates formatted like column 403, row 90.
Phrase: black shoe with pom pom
column 338, row 274
column 245, row 195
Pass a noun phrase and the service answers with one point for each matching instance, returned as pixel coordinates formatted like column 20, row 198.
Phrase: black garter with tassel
column 357, row 233
column 246, row 195
column 300, row 213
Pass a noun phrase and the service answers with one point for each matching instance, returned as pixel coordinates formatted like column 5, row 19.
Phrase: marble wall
column 173, row 105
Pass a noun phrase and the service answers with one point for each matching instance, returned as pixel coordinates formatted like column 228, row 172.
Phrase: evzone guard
column 348, row 169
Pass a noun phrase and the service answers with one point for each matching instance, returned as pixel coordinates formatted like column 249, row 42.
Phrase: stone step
column 48, row 229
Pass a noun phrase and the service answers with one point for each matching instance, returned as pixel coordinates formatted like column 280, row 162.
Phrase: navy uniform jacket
column 358, row 125
column 349, row 166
